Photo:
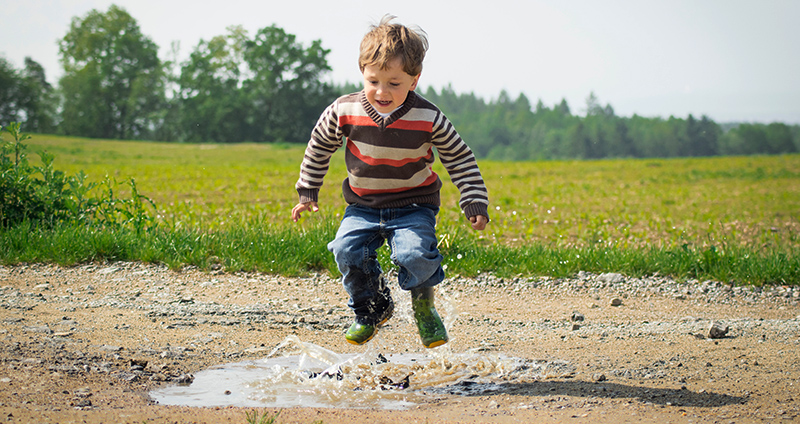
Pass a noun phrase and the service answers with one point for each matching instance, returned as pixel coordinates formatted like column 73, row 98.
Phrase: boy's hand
column 302, row 207
column 478, row 222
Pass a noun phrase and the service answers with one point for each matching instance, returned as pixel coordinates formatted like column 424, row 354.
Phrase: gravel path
column 88, row 343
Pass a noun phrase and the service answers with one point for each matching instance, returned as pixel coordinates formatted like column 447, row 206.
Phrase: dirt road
column 88, row 344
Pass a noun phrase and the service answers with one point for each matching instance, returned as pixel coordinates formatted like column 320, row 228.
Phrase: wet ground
column 120, row 342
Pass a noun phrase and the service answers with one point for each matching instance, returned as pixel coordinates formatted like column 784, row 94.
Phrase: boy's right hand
column 302, row 207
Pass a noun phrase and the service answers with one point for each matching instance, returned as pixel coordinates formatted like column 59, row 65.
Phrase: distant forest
column 268, row 87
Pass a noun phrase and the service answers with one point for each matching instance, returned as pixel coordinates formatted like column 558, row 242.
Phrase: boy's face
column 387, row 89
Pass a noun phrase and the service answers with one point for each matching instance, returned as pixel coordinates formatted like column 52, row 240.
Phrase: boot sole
column 437, row 343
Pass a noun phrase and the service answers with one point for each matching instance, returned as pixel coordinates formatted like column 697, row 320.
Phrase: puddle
column 299, row 373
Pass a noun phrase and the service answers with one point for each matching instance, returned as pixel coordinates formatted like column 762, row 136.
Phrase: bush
column 45, row 196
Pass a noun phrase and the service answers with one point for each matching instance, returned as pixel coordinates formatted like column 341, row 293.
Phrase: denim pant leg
column 412, row 239
column 354, row 248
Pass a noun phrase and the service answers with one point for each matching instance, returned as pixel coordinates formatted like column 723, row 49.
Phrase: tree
column 779, row 139
column 211, row 105
column 286, row 90
column 113, row 81
column 268, row 88
column 10, row 86
column 41, row 101
column 26, row 96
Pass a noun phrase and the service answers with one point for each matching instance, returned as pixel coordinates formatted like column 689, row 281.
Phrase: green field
column 747, row 205
column 753, row 201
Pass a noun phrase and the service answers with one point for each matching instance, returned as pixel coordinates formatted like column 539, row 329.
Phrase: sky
column 731, row 60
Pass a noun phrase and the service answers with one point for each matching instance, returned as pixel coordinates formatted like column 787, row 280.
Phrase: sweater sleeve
column 326, row 138
column 460, row 163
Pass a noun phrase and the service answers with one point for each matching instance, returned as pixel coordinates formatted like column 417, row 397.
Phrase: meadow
column 734, row 219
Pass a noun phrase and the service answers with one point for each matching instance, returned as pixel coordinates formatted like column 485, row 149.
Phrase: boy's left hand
column 478, row 222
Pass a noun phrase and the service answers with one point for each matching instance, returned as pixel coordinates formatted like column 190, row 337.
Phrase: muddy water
column 299, row 373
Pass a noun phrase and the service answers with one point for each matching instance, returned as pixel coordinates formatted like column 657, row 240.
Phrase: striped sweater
column 389, row 160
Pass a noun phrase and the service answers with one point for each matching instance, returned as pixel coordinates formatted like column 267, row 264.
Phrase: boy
column 391, row 190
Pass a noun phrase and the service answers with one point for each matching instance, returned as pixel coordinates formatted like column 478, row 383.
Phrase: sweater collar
column 382, row 122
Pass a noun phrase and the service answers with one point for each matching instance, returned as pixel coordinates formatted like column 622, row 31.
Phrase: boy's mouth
column 383, row 103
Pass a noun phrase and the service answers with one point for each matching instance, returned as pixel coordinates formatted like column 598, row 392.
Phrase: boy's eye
column 394, row 84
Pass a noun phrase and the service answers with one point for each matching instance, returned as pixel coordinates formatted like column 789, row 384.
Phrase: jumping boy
column 391, row 189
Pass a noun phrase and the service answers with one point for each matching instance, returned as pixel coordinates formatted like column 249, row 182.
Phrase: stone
column 616, row 302
column 717, row 330
column 611, row 277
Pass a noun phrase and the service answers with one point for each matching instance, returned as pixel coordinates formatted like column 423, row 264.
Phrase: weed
column 261, row 418
column 47, row 196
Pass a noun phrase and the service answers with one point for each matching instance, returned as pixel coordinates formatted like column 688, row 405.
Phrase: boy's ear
column 414, row 84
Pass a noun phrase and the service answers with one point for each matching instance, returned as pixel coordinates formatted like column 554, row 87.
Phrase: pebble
column 717, row 330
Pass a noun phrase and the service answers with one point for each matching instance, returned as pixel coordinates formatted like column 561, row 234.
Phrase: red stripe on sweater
column 402, row 124
column 365, row 191
column 391, row 162
column 362, row 121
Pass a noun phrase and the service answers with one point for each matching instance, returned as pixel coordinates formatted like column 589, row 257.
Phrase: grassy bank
column 293, row 251
column 731, row 219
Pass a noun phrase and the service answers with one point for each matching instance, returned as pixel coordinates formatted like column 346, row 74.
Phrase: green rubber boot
column 360, row 332
column 430, row 325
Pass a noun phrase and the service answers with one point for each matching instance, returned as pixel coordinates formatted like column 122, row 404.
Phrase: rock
column 139, row 363
column 184, row 379
column 598, row 377
column 83, row 392
column 616, row 302
column 717, row 330
column 38, row 329
column 611, row 277
column 576, row 317
column 576, row 327
column 110, row 348
column 109, row 270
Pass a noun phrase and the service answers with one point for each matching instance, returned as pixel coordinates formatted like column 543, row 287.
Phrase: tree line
column 268, row 87
column 513, row 129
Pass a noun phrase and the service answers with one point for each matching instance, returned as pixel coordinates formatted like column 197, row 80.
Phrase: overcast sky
column 731, row 60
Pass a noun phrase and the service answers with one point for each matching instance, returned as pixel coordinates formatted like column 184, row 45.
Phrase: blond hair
column 387, row 41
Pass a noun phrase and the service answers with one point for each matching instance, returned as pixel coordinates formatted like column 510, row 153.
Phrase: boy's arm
column 325, row 140
column 460, row 163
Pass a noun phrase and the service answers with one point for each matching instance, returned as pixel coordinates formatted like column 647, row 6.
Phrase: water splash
column 298, row 373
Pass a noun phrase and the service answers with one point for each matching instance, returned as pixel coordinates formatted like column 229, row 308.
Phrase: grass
column 733, row 219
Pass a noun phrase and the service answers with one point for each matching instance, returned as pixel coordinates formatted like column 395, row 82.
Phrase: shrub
column 46, row 196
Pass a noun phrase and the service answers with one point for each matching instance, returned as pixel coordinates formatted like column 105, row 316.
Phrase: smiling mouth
column 383, row 103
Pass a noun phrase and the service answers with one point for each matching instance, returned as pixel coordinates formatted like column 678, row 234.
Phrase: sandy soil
column 88, row 344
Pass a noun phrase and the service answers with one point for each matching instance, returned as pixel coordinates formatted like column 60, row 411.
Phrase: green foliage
column 260, row 418
column 47, row 196
column 113, row 83
column 235, row 88
column 509, row 129
column 748, row 139
column 26, row 96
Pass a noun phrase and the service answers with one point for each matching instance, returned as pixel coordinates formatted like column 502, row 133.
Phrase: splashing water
column 299, row 373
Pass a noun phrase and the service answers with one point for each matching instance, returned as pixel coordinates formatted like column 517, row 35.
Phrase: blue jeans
column 411, row 234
